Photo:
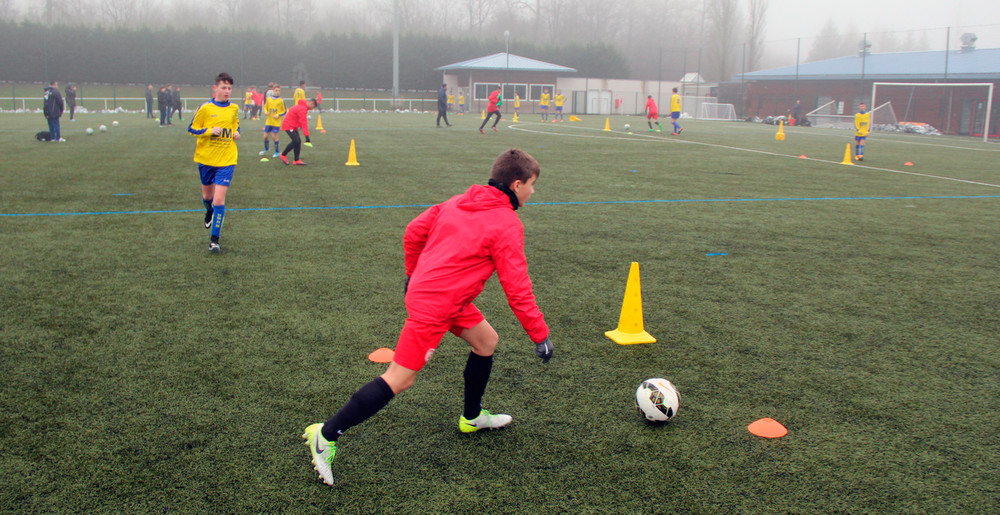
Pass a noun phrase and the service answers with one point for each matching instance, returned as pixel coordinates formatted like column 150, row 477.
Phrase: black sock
column 365, row 402
column 477, row 374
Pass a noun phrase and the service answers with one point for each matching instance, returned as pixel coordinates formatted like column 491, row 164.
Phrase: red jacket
column 494, row 98
column 453, row 248
column 651, row 107
column 296, row 117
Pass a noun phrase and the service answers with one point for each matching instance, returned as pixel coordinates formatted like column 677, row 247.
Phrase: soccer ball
column 103, row 128
column 89, row 131
column 114, row 123
column 657, row 399
column 628, row 127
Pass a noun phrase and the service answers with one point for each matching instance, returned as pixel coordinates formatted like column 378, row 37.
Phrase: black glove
column 307, row 139
column 543, row 349
column 406, row 285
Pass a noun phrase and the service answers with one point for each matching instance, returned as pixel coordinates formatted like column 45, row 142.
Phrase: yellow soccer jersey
column 248, row 98
column 461, row 100
column 275, row 107
column 544, row 101
column 451, row 99
column 675, row 103
column 559, row 99
column 300, row 94
column 862, row 124
column 517, row 101
column 215, row 150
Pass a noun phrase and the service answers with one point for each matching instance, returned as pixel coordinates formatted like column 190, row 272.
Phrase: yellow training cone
column 780, row 136
column 574, row 118
column 484, row 115
column 607, row 124
column 319, row 124
column 352, row 157
column 630, row 328
column 515, row 117
column 847, row 156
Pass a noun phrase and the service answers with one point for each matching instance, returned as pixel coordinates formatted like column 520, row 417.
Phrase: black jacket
column 70, row 96
column 149, row 96
column 442, row 99
column 176, row 99
column 52, row 104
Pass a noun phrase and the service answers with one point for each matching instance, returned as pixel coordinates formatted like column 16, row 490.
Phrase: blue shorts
column 544, row 107
column 272, row 128
column 221, row 175
column 860, row 139
column 675, row 115
column 559, row 109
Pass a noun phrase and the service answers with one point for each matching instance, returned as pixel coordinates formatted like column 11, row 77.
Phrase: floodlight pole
column 395, row 52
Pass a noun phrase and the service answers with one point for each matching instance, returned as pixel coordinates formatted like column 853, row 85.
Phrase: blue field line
column 572, row 203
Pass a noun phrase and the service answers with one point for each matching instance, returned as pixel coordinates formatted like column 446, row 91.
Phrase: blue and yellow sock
column 220, row 214
column 277, row 145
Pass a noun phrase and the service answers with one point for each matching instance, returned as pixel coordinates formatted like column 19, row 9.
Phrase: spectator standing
column 161, row 104
column 176, row 102
column 71, row 100
column 52, row 107
column 443, row 105
column 149, row 102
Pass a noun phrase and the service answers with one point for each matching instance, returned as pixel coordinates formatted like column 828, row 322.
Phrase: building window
column 482, row 90
column 520, row 89
column 537, row 89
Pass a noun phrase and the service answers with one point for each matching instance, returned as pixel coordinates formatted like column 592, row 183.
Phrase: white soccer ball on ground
column 628, row 127
column 114, row 123
column 89, row 131
column 103, row 128
column 657, row 399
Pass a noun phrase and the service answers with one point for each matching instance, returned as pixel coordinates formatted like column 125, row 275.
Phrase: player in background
column 675, row 111
column 247, row 102
column 559, row 100
column 274, row 109
column 216, row 124
column 517, row 103
column 450, row 251
column 461, row 101
column 296, row 118
column 300, row 92
column 652, row 114
column 493, row 108
column 451, row 101
column 862, row 125
column 543, row 104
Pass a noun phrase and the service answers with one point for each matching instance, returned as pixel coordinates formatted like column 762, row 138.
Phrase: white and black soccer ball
column 114, row 123
column 89, row 131
column 657, row 399
column 103, row 128
column 628, row 127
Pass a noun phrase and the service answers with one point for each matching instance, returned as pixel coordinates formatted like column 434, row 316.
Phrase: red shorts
column 652, row 115
column 418, row 340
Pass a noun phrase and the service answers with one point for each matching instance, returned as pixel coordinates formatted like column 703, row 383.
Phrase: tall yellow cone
column 352, row 156
column 780, row 136
column 484, row 115
column 847, row 156
column 630, row 328
column 515, row 117
column 607, row 124
column 319, row 124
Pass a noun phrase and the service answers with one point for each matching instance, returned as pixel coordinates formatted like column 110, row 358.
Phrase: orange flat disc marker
column 768, row 428
column 382, row 355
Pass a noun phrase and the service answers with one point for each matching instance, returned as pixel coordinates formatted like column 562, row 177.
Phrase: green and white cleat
column 485, row 420
column 322, row 452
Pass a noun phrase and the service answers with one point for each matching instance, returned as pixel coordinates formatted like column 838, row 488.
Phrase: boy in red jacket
column 451, row 250
column 295, row 118
column 492, row 109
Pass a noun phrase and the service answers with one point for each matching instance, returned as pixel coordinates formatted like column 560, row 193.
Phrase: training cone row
column 319, row 124
column 630, row 326
column 847, row 156
column 352, row 156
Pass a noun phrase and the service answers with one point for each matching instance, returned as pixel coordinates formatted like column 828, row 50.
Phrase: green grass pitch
column 857, row 305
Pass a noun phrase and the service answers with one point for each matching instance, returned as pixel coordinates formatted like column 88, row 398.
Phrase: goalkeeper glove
column 544, row 349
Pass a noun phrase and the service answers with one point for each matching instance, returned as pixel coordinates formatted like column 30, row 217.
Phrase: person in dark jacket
column 52, row 107
column 443, row 105
column 162, row 99
column 176, row 96
column 71, row 100
column 149, row 102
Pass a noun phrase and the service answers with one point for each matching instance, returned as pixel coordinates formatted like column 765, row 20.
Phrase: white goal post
column 914, row 85
column 714, row 111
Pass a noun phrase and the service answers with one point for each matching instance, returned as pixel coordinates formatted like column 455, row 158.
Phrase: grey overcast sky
column 805, row 18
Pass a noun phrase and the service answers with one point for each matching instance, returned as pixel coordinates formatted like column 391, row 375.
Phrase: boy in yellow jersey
column 559, row 100
column 300, row 92
column 274, row 106
column 862, row 124
column 543, row 104
column 675, row 111
column 216, row 124
column 247, row 102
column 461, row 101
column 451, row 101
column 517, row 103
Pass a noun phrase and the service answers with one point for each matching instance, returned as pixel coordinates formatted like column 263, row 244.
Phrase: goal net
column 939, row 108
column 827, row 115
column 713, row 111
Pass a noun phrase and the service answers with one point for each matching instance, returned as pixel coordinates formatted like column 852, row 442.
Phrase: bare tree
column 479, row 12
column 829, row 43
column 118, row 13
column 724, row 19
column 756, row 22
column 8, row 11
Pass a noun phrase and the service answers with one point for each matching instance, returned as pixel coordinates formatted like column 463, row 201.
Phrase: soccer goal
column 827, row 115
column 713, row 111
column 952, row 107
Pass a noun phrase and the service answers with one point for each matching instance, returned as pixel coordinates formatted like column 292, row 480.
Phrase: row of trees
column 34, row 52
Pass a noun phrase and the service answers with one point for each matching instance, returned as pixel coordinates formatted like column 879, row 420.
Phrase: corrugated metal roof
column 499, row 62
column 980, row 64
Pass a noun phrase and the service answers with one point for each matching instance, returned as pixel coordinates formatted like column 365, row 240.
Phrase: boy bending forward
column 451, row 250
